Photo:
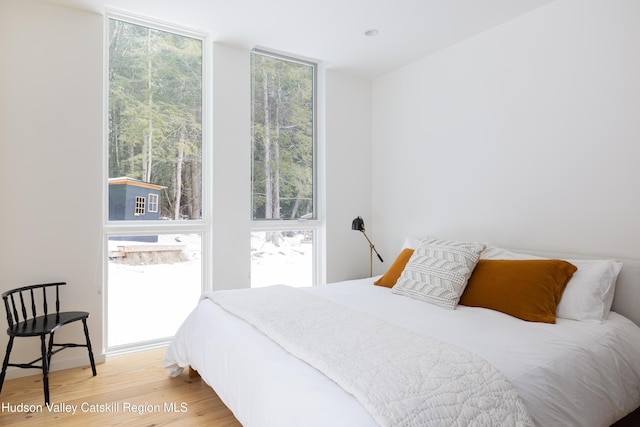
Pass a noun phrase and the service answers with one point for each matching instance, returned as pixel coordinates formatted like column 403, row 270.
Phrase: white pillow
column 589, row 293
column 493, row 252
column 411, row 242
column 438, row 271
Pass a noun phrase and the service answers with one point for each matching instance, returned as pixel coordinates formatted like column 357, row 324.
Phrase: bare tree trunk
column 148, row 143
column 270, row 207
column 276, row 159
column 268, row 184
column 296, row 205
column 179, row 161
column 196, row 202
column 149, row 154
column 132, row 165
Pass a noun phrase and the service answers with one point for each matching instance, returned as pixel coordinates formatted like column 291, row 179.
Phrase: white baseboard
column 56, row 365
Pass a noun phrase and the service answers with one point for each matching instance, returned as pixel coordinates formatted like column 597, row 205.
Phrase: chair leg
column 6, row 361
column 86, row 334
column 45, row 368
column 49, row 353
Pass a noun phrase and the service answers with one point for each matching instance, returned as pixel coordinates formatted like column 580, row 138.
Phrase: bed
column 565, row 372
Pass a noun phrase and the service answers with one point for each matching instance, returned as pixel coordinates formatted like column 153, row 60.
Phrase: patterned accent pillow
column 438, row 271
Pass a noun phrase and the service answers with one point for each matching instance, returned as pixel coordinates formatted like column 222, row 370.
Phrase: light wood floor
column 122, row 382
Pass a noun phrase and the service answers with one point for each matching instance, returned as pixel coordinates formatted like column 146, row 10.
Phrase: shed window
column 140, row 202
column 153, row 202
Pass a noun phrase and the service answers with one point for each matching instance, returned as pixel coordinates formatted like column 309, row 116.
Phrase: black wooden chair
column 25, row 319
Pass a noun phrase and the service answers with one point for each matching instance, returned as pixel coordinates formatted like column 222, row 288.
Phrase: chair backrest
column 29, row 302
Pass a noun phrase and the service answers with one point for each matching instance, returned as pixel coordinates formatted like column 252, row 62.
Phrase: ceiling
column 332, row 31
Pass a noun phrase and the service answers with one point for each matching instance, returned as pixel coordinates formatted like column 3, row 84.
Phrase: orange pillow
column 393, row 274
column 527, row 289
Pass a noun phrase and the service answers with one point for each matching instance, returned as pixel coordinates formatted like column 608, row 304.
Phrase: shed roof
column 124, row 180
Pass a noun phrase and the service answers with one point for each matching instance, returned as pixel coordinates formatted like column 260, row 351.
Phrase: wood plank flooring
column 131, row 389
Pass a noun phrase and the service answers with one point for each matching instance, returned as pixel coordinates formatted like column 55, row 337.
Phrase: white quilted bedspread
column 400, row 377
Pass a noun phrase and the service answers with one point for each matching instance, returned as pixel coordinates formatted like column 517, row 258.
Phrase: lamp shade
column 357, row 224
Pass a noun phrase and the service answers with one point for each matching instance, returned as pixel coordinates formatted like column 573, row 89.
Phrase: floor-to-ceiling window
column 285, row 228
column 156, row 220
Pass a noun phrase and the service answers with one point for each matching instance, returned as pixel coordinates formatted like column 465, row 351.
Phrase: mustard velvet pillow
column 526, row 289
column 391, row 276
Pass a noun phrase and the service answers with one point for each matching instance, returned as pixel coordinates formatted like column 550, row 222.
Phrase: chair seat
column 45, row 324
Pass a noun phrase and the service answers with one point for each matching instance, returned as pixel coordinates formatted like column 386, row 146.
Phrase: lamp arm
column 372, row 246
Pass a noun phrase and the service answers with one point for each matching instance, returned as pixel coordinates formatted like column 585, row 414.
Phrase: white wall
column 51, row 150
column 348, row 175
column 525, row 136
column 231, row 168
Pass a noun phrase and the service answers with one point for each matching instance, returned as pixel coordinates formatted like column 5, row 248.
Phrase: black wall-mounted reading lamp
column 358, row 224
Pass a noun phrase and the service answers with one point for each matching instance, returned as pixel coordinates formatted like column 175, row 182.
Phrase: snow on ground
column 290, row 263
column 150, row 301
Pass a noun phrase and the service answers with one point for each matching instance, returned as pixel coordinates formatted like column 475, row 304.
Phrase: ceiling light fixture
column 371, row 33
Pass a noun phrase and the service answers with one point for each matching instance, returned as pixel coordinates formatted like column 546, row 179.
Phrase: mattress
column 567, row 373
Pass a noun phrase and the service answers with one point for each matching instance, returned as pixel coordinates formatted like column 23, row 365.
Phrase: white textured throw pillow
column 438, row 271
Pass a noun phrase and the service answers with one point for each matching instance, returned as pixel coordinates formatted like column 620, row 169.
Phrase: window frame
column 314, row 67
column 153, row 202
column 202, row 226
column 315, row 224
column 140, row 206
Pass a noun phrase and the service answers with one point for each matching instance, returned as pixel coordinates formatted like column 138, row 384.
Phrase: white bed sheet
column 571, row 373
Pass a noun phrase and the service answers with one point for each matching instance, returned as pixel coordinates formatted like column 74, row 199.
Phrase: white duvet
column 570, row 373
column 402, row 378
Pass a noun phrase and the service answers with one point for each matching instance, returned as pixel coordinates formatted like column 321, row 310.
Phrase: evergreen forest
column 155, row 123
column 282, row 136
column 155, row 114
